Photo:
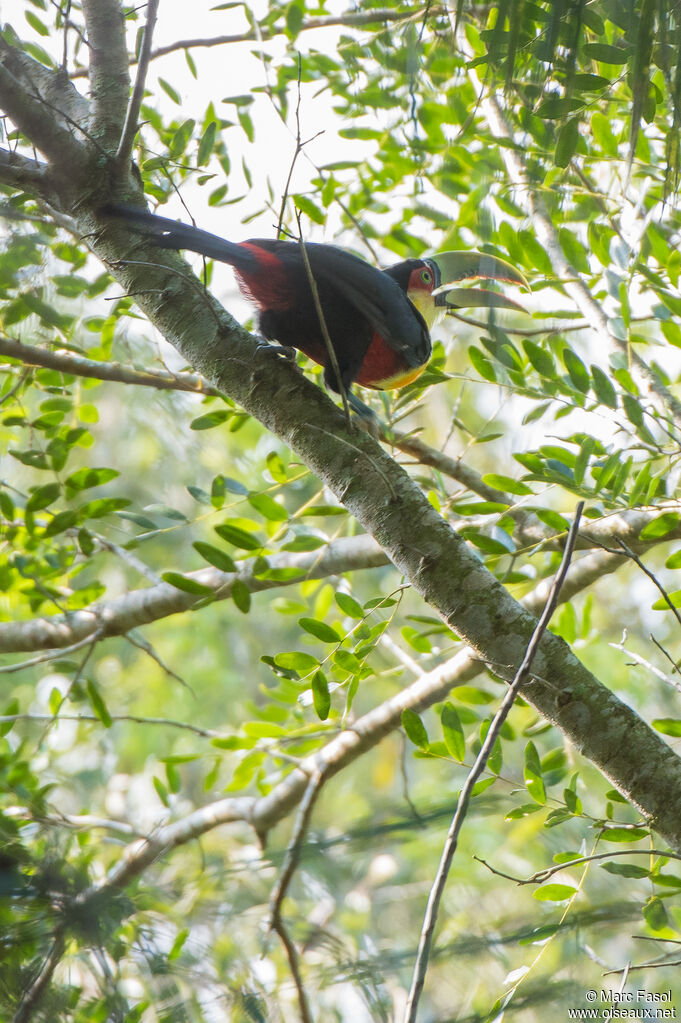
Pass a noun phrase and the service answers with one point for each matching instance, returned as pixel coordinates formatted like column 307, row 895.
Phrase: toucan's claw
column 469, row 298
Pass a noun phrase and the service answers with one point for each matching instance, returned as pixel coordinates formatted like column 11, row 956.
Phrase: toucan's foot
column 284, row 351
column 367, row 420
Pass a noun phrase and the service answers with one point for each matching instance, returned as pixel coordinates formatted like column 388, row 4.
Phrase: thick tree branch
column 148, row 605
column 30, row 176
column 141, row 607
column 108, row 73
column 38, row 102
column 435, row 560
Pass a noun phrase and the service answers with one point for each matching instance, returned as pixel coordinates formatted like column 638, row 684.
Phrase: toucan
column 378, row 321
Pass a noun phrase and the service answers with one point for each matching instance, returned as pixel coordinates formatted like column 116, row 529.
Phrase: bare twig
column 543, row 875
column 322, row 322
column 349, row 19
column 33, row 994
column 76, row 365
column 129, row 132
column 279, row 892
column 437, row 890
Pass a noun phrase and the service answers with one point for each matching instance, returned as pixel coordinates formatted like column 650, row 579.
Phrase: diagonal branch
column 38, row 103
column 78, row 365
column 124, row 151
column 141, row 607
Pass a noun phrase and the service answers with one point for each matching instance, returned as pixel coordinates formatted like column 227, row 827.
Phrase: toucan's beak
column 451, row 267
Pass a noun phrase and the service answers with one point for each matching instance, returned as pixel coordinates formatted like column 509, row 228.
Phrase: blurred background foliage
column 107, row 488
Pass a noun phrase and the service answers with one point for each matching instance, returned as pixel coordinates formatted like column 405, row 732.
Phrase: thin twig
column 75, row 365
column 129, row 131
column 279, row 892
column 34, row 993
column 437, row 890
column 322, row 322
column 543, row 875
column 293, row 851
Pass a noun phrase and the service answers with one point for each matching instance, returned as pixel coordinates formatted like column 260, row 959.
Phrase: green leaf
column 555, row 893
column 42, row 497
column 214, row 556
column 655, row 914
column 566, row 143
column 624, row 869
column 606, row 54
column 268, row 507
column 60, row 522
column 348, row 605
column 577, row 371
column 320, row 630
column 83, row 479
column 415, row 729
column 310, row 209
column 603, row 387
column 211, row 419
column 238, row 537
column 662, row 526
column 98, row 704
column 169, row 91
column 321, row 697
column 206, row 144
column 668, row 726
column 540, row 359
column 241, row 595
column 296, row 660
column 187, row 585
column 533, row 774
column 452, row 730
column 507, row 483
column 161, row 790
column 624, row 834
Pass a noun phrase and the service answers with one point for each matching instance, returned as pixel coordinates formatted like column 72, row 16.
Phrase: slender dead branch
column 125, row 146
column 423, row 954
column 280, row 889
column 350, row 19
column 540, row 876
column 33, row 994
column 333, row 359
column 76, row 365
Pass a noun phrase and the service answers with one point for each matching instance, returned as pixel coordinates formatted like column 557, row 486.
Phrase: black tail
column 171, row 234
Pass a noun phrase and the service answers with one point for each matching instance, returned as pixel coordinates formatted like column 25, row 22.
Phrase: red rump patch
column 267, row 287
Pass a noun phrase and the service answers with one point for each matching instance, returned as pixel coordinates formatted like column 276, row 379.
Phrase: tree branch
column 129, row 132
column 350, row 19
column 39, row 104
column 108, row 72
column 148, row 605
column 76, row 365
column 30, row 176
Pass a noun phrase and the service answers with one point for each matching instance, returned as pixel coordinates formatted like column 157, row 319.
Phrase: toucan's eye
column 426, row 277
